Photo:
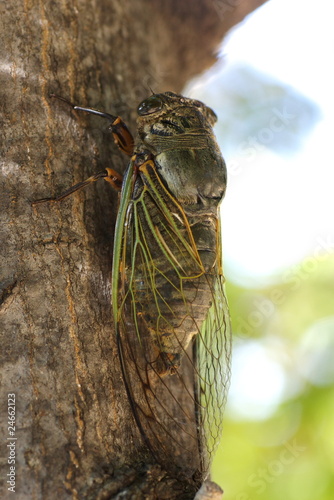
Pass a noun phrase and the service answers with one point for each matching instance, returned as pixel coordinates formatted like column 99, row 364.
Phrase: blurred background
column 272, row 91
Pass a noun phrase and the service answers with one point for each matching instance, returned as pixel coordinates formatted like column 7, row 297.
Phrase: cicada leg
column 122, row 135
column 109, row 175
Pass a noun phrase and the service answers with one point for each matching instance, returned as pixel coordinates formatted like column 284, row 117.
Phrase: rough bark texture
column 75, row 434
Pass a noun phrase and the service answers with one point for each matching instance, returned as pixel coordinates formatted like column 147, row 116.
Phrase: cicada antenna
column 152, row 91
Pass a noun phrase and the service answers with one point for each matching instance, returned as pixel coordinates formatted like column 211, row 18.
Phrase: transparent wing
column 172, row 325
column 213, row 357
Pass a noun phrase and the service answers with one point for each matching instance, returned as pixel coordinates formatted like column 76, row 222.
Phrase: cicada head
column 173, row 114
column 177, row 132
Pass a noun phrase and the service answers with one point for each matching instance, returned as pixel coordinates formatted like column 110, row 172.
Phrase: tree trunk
column 74, row 434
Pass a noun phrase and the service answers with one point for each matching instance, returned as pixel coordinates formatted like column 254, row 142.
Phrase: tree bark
column 76, row 437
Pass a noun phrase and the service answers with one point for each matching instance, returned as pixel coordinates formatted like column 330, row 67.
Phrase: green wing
column 172, row 323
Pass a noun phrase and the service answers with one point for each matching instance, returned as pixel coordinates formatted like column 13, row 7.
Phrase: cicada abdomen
column 171, row 314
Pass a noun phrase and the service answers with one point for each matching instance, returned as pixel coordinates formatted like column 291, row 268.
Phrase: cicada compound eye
column 150, row 105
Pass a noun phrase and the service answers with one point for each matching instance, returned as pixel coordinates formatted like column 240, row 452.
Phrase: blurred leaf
column 290, row 454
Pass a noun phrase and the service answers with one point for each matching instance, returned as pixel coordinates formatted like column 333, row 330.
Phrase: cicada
column 169, row 305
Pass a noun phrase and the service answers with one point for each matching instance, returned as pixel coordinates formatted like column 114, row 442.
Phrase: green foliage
column 290, row 453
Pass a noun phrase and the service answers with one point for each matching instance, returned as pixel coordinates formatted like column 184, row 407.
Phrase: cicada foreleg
column 122, row 135
column 123, row 139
